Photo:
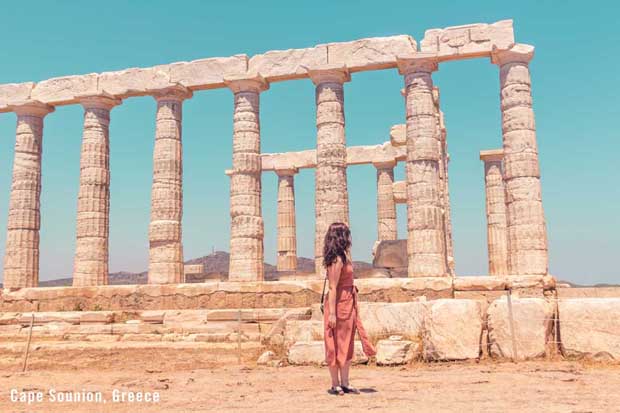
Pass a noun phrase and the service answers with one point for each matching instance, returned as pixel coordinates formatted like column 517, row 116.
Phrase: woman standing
column 340, row 319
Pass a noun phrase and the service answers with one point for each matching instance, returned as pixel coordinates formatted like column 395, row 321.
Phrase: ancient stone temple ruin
column 417, row 295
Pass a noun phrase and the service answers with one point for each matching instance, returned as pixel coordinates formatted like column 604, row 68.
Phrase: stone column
column 165, row 232
column 247, row 228
column 386, row 207
column 426, row 238
column 526, row 228
column 90, row 266
column 497, row 240
column 287, row 229
column 21, row 257
column 331, row 193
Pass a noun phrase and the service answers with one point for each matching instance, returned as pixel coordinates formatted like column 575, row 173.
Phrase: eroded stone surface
column 533, row 323
column 395, row 351
column 390, row 254
column 313, row 353
column 371, row 54
column 590, row 327
column 452, row 330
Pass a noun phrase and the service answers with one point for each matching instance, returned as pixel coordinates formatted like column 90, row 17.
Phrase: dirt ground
column 189, row 382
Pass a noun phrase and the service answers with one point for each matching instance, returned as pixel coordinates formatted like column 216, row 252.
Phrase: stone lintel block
column 288, row 160
column 207, row 73
column 278, row 65
column 400, row 192
column 372, row 53
column 11, row 93
column 398, row 135
column 383, row 153
column 492, row 155
column 468, row 41
column 65, row 90
column 135, row 81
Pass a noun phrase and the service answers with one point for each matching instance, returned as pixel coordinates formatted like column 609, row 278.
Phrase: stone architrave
column 287, row 227
column 386, row 207
column 526, row 228
column 426, row 233
column 247, row 227
column 21, row 257
column 331, row 193
column 90, row 266
column 165, row 232
column 497, row 240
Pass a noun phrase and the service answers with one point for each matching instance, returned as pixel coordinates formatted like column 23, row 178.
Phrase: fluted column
column 426, row 235
column 331, row 193
column 497, row 240
column 21, row 257
column 90, row 266
column 247, row 228
column 287, row 227
column 165, row 232
column 386, row 207
column 527, row 233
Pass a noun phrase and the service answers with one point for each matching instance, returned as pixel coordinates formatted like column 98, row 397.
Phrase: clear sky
column 576, row 87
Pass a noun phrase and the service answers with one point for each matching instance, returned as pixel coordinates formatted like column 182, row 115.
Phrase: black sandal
column 336, row 391
column 350, row 389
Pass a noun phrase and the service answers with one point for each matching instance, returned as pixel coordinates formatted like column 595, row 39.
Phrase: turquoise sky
column 576, row 87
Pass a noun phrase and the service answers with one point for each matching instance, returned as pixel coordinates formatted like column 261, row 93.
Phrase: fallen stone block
column 395, row 351
column 391, row 254
column 313, row 353
column 590, row 327
column 452, row 330
column 303, row 330
column 382, row 320
column 533, row 325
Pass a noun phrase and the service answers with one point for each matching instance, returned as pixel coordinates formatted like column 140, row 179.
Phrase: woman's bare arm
column 333, row 275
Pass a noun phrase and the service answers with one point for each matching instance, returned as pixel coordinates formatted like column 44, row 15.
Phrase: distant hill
column 215, row 267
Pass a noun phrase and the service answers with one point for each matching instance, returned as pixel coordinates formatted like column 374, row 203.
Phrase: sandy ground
column 188, row 382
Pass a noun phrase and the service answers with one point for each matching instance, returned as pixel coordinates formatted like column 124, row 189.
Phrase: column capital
column 286, row 171
column 421, row 62
column 384, row 163
column 492, row 155
column 334, row 73
column 519, row 53
column 176, row 92
column 101, row 100
column 247, row 82
column 31, row 108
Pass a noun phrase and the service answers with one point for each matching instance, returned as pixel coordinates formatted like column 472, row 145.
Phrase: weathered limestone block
column 165, row 232
column 91, row 253
column 497, row 238
column 277, row 65
column 372, row 53
column 21, row 257
column 331, row 193
column 313, row 353
column 385, row 319
column 286, row 160
column 135, row 81
column 266, row 358
column 14, row 92
column 386, row 208
column 287, row 226
column 398, row 135
column 533, row 324
column 526, row 228
column 207, row 73
column 193, row 268
column 390, row 254
column 64, row 90
column 396, row 351
column 480, row 283
column 473, row 40
column 303, row 330
column 590, row 327
column 44, row 317
column 426, row 232
column 247, row 231
column 452, row 330
column 400, row 192
column 378, row 154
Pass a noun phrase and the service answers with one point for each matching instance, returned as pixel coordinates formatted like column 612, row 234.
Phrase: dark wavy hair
column 337, row 242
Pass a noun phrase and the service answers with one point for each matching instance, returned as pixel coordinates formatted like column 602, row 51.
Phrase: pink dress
column 339, row 341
